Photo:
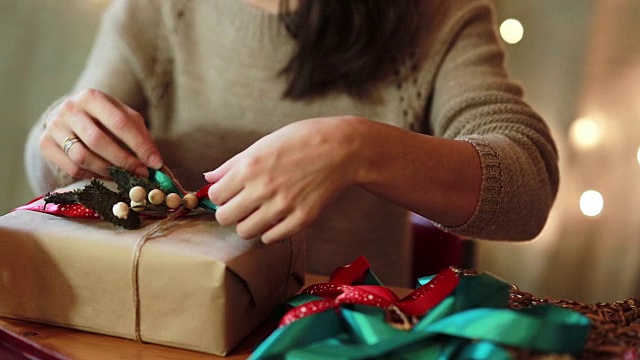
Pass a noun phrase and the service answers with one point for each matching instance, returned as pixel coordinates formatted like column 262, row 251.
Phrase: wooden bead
column 173, row 201
column 156, row 196
column 137, row 194
column 138, row 205
column 121, row 210
column 190, row 201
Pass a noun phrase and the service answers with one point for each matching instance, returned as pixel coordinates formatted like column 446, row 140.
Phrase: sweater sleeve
column 474, row 100
column 112, row 68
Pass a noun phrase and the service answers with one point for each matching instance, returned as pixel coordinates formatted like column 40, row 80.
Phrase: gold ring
column 68, row 143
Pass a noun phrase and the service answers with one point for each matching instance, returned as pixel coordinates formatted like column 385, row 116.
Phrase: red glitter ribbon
column 66, row 210
column 345, row 287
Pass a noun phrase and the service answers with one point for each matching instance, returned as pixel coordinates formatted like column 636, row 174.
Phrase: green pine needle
column 101, row 199
column 126, row 180
column 62, row 198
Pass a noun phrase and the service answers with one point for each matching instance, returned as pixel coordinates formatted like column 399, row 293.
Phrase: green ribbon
column 207, row 204
column 473, row 323
column 168, row 186
column 164, row 181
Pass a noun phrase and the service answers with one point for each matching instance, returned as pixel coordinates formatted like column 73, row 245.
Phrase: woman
column 335, row 116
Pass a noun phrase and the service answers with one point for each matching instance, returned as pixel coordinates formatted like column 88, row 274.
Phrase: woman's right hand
column 110, row 133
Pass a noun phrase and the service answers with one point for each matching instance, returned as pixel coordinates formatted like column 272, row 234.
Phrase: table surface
column 74, row 344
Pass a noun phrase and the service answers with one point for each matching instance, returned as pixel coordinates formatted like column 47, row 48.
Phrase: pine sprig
column 62, row 198
column 125, row 180
column 101, row 199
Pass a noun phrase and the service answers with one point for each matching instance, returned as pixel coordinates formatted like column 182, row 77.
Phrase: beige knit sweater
column 204, row 73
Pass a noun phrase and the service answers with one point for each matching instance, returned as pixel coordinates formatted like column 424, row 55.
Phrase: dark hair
column 345, row 45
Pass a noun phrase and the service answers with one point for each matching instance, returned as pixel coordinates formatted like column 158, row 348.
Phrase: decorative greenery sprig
column 102, row 200
column 135, row 194
column 126, row 181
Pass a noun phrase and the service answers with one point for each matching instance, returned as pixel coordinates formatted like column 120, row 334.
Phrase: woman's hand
column 279, row 185
column 109, row 133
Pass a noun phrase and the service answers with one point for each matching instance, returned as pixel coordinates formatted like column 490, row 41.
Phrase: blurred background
column 578, row 60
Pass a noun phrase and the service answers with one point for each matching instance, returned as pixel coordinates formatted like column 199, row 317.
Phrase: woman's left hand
column 280, row 184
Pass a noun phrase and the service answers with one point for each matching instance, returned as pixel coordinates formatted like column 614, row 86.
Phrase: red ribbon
column 345, row 287
column 66, row 210
column 203, row 193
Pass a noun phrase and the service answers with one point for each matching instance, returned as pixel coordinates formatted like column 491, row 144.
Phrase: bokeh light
column 591, row 203
column 585, row 133
column 511, row 31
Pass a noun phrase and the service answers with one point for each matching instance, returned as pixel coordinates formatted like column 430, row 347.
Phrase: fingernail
column 155, row 161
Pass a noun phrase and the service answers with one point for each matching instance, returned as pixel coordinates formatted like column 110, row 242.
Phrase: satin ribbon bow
column 470, row 320
column 346, row 286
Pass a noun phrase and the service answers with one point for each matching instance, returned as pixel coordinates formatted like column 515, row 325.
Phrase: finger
column 225, row 189
column 236, row 209
column 54, row 153
column 60, row 129
column 147, row 149
column 124, row 122
column 290, row 226
column 99, row 142
column 218, row 173
column 84, row 158
column 256, row 223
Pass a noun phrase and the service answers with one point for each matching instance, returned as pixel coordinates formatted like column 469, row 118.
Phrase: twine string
column 149, row 234
column 165, row 169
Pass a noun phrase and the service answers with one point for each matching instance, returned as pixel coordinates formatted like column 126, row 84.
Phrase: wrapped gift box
column 201, row 287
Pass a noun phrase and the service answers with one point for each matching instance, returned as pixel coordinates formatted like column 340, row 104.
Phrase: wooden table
column 51, row 342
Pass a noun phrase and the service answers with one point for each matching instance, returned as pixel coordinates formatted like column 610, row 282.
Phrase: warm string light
column 585, row 133
column 511, row 31
column 591, row 203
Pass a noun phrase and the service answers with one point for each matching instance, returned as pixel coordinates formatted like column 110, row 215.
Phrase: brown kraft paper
column 201, row 286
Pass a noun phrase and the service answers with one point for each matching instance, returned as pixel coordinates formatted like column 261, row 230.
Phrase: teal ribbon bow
column 474, row 322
